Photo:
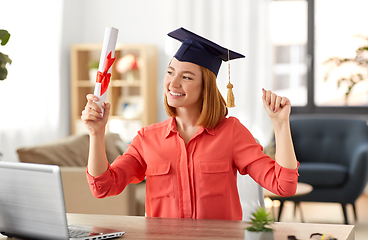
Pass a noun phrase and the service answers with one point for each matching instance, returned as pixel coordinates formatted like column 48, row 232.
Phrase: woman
column 191, row 160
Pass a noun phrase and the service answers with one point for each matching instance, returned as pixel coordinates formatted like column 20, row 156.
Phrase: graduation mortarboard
column 203, row 52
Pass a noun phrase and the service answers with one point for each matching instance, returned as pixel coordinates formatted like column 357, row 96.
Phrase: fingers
column 92, row 112
column 285, row 101
column 91, row 97
column 277, row 103
column 274, row 101
column 91, row 106
column 107, row 107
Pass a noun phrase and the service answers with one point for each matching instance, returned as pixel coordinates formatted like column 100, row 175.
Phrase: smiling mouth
column 176, row 94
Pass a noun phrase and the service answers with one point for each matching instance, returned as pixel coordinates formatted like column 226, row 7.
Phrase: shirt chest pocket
column 159, row 180
column 214, row 178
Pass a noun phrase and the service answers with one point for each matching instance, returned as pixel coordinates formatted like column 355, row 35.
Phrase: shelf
column 113, row 83
column 125, row 83
column 121, row 88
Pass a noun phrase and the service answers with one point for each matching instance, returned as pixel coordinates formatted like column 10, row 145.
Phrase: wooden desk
column 179, row 229
column 168, row 228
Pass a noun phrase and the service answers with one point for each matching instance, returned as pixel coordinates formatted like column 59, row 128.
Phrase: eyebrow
column 189, row 72
column 184, row 72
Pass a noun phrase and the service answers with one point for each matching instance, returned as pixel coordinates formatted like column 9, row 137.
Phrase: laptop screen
column 31, row 201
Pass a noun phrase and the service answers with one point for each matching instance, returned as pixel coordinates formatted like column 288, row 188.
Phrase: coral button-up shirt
column 197, row 179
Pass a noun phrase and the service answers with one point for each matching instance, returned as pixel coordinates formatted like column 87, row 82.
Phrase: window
column 337, row 34
column 289, row 40
column 305, row 34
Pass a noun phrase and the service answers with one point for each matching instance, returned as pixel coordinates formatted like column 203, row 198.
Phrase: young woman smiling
column 190, row 161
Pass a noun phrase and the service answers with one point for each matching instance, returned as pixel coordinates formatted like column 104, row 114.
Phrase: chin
column 172, row 105
column 172, row 102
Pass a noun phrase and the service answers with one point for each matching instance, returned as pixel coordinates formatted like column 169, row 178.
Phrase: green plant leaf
column 4, row 36
column 260, row 220
column 361, row 49
column 3, row 73
column 93, row 64
column 4, row 59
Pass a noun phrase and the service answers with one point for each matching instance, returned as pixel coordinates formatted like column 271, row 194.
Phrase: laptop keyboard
column 78, row 233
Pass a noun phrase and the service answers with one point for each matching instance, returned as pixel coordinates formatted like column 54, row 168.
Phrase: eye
column 170, row 72
column 187, row 78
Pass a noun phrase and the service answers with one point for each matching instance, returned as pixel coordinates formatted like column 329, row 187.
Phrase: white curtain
column 41, row 38
column 242, row 26
column 30, row 96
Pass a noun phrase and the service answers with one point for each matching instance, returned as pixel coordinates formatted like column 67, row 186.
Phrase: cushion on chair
column 323, row 174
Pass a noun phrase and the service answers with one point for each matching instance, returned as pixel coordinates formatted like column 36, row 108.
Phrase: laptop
column 32, row 205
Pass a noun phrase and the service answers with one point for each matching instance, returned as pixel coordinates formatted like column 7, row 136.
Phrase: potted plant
column 260, row 228
column 4, row 59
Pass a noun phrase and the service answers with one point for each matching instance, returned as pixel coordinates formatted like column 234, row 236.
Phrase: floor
column 329, row 213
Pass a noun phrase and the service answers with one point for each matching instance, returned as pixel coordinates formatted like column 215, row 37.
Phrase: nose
column 175, row 82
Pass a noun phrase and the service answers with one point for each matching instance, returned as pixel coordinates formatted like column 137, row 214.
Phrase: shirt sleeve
column 127, row 168
column 250, row 159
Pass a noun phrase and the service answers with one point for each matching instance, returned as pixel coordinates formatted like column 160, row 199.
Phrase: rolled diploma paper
column 109, row 43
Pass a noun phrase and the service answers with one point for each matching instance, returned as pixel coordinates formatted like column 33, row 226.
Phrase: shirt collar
column 210, row 131
column 171, row 128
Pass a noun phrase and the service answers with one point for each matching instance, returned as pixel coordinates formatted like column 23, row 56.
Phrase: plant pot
column 92, row 74
column 248, row 235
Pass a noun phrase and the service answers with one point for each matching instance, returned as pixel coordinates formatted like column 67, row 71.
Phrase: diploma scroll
column 104, row 67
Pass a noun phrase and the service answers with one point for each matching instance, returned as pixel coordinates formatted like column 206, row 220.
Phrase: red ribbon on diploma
column 104, row 77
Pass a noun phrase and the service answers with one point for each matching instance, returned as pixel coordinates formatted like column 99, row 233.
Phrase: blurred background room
column 312, row 51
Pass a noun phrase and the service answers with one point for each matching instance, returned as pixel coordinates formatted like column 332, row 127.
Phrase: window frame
column 311, row 107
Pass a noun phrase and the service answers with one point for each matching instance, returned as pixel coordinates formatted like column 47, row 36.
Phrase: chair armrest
column 79, row 199
column 359, row 158
column 358, row 170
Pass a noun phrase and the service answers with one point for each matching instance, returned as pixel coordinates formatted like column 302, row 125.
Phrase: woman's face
column 183, row 85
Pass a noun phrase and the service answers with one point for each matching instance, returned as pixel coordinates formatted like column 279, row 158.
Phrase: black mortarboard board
column 201, row 51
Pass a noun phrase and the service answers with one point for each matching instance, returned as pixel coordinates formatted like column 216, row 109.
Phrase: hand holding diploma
column 96, row 112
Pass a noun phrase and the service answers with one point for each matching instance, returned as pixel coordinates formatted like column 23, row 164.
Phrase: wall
column 240, row 25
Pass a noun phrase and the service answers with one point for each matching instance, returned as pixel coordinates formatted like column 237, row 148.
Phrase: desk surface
column 168, row 228
column 178, row 229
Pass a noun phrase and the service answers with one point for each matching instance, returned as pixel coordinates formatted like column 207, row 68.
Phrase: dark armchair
column 333, row 156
